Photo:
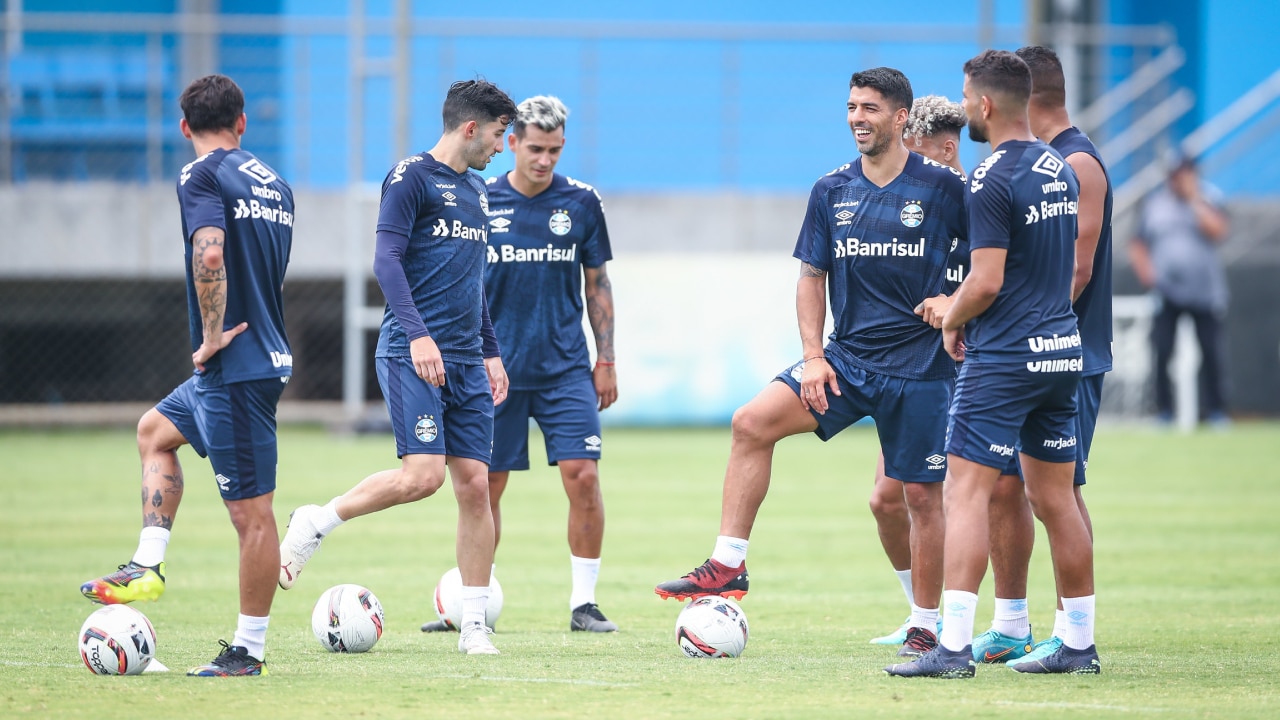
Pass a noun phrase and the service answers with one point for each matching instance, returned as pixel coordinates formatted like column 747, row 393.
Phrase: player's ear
column 241, row 123
column 948, row 149
column 511, row 142
column 470, row 128
column 185, row 128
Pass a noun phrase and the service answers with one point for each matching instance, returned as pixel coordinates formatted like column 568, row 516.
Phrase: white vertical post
column 1185, row 370
column 353, row 299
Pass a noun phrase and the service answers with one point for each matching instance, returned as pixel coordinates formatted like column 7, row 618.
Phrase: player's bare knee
column 923, row 498
column 752, row 427
column 416, row 485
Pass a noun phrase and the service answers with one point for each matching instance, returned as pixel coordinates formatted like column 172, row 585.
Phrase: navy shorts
column 234, row 425
column 454, row 420
column 1000, row 409
column 566, row 414
column 1088, row 401
column 910, row 415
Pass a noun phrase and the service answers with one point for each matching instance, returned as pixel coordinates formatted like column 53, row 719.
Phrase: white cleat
column 475, row 640
column 300, row 542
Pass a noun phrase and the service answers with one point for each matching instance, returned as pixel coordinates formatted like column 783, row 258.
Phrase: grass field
column 1188, row 571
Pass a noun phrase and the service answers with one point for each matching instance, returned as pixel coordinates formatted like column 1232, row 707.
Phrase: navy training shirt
column 1093, row 307
column 253, row 206
column 884, row 251
column 444, row 215
column 538, row 247
column 1024, row 198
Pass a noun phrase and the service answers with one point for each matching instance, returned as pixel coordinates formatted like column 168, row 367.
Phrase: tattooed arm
column 210, row 276
column 599, row 294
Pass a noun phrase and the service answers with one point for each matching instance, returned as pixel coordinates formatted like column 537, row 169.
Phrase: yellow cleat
column 128, row 583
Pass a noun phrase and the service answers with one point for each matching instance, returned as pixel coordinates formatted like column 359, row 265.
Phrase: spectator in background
column 1175, row 252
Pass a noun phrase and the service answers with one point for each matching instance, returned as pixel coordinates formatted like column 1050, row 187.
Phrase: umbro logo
column 844, row 215
column 936, row 462
column 258, row 171
column 1047, row 164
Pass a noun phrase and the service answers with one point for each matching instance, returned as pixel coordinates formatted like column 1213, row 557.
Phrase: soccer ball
column 448, row 600
column 347, row 619
column 712, row 627
column 117, row 640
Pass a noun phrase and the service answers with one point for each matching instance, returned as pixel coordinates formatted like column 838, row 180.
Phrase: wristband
column 601, row 362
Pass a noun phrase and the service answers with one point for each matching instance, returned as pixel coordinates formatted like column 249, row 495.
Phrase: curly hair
column 933, row 114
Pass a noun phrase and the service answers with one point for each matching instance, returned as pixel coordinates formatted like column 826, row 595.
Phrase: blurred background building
column 702, row 124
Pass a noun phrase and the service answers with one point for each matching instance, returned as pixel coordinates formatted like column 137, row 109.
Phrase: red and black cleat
column 709, row 578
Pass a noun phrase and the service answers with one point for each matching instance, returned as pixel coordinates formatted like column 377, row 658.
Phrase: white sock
column 957, row 622
column 327, row 519
column 152, row 543
column 1059, row 624
column 474, row 603
column 251, row 634
column 730, row 551
column 904, row 577
column 1011, row 617
column 924, row 618
column 585, row 572
column 1078, row 614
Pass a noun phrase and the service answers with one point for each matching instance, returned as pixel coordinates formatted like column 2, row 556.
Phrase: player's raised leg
column 775, row 413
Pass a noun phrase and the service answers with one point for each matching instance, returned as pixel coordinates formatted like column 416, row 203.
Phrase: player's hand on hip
column 606, row 382
column 932, row 309
column 953, row 343
column 817, row 377
column 427, row 361
column 499, row 383
column 208, row 349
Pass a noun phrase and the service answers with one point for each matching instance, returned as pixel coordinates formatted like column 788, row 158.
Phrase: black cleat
column 709, row 578
column 438, row 626
column 937, row 663
column 588, row 618
column 919, row 641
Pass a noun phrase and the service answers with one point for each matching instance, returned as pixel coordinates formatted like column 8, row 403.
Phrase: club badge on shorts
column 426, row 429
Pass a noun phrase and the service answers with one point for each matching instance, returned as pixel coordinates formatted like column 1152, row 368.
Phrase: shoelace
column 226, row 657
column 704, row 570
column 594, row 611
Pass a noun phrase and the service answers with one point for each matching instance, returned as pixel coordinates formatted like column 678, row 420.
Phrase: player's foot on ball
column 128, row 583
column 233, row 661
column 588, row 618
column 301, row 540
column 709, row 578
column 919, row 641
column 474, row 640
column 1064, row 660
column 937, row 663
column 438, row 626
column 993, row 646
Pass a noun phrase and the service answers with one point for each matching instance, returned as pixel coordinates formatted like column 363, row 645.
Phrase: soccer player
column 878, row 232
column 1022, row 360
column 237, row 230
column 548, row 238
column 1012, row 526
column 437, row 358
column 933, row 130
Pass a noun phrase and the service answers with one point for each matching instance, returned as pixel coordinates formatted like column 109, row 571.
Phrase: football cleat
column 1063, row 660
column 233, row 661
column 474, row 640
column 919, row 641
column 937, row 663
column 996, row 647
column 897, row 637
column 709, row 578
column 1042, row 649
column 587, row 617
column 438, row 626
column 301, row 540
column 128, row 583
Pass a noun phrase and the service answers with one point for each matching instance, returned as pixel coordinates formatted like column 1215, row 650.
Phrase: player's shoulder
column 996, row 167
column 203, row 168
column 842, row 175
column 584, row 192
column 946, row 179
column 419, row 166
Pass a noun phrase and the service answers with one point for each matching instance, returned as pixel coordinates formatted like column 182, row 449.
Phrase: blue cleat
column 897, row 637
column 996, row 647
column 1064, row 660
column 1040, row 650
column 937, row 663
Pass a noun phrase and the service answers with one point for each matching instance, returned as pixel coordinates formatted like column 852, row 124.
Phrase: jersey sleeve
column 990, row 209
column 812, row 246
column 200, row 197
column 403, row 196
column 596, row 250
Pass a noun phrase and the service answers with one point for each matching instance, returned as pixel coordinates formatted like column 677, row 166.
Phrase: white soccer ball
column 712, row 627
column 117, row 640
column 347, row 619
column 448, row 600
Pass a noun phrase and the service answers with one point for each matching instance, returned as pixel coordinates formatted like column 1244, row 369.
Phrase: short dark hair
column 478, row 100
column 212, row 103
column 891, row 83
column 1048, row 84
column 1000, row 72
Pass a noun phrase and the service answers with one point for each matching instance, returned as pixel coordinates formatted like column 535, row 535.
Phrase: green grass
column 1188, row 571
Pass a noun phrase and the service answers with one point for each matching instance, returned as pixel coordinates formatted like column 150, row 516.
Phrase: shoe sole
column 144, row 595
column 667, row 595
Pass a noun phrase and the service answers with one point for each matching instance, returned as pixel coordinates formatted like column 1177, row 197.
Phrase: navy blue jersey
column 1024, row 199
column 235, row 192
column 538, row 247
column 884, row 250
column 1093, row 307
column 445, row 216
